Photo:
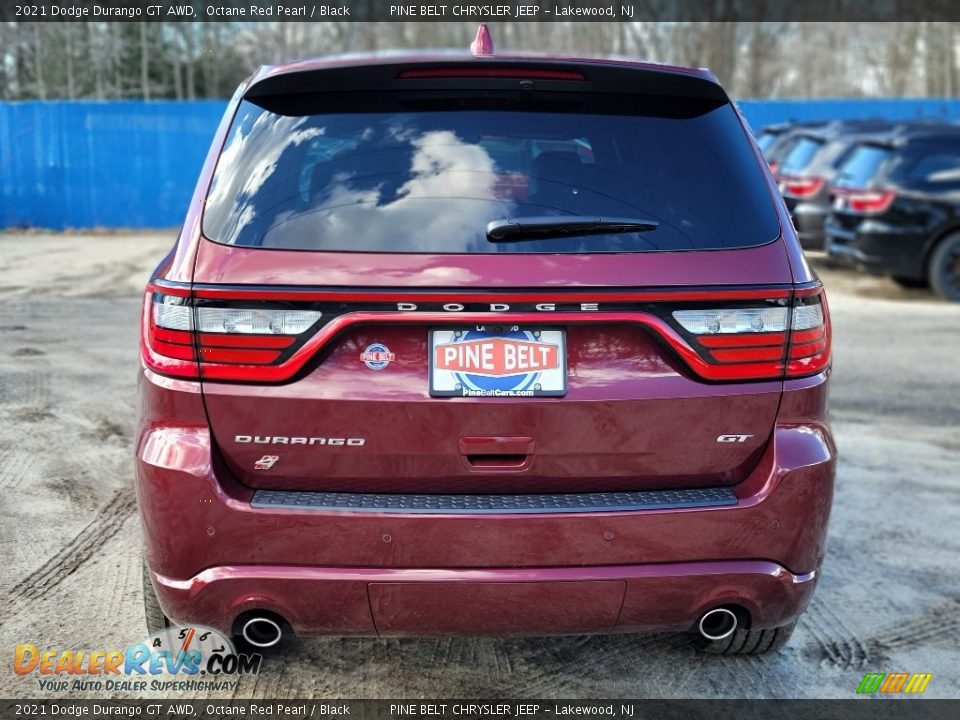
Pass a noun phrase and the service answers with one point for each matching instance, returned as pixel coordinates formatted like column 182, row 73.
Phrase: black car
column 776, row 140
column 896, row 209
column 809, row 164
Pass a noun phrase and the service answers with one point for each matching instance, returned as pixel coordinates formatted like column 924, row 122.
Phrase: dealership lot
column 889, row 599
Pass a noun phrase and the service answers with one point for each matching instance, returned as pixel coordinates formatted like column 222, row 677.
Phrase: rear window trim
column 506, row 255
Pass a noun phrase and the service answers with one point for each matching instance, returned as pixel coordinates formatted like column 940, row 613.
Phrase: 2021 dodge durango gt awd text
column 484, row 345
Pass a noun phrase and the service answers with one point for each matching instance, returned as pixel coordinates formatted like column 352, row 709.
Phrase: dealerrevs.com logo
column 175, row 659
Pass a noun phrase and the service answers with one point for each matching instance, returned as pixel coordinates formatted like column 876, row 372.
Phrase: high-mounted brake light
column 801, row 187
column 519, row 73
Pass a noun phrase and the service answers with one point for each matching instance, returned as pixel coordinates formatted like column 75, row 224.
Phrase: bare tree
column 38, row 63
column 144, row 63
column 186, row 60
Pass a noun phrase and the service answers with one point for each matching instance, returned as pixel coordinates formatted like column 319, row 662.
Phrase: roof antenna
column 482, row 44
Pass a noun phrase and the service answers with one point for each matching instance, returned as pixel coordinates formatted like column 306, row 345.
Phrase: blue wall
column 134, row 164
column 109, row 164
column 767, row 112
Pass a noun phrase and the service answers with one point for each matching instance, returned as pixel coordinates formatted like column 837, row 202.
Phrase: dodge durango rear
column 483, row 344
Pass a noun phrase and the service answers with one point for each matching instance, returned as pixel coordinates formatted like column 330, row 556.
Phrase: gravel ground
column 889, row 599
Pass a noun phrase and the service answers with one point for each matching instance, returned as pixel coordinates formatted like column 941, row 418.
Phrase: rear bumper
column 878, row 248
column 808, row 219
column 214, row 554
column 405, row 601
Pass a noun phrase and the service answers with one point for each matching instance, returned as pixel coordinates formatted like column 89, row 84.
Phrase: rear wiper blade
column 552, row 226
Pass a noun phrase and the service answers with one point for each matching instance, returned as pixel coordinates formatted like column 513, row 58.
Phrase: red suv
column 457, row 344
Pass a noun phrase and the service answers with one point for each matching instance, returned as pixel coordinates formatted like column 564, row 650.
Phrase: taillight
column 809, row 334
column 267, row 335
column 755, row 343
column 738, row 343
column 166, row 338
column 248, row 336
column 801, row 187
column 868, row 202
column 227, row 343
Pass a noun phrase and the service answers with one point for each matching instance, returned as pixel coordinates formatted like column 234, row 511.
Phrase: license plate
column 498, row 361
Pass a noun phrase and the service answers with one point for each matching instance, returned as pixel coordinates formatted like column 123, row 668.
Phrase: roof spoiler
column 499, row 73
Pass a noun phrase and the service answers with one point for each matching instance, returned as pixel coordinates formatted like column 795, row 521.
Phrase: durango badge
column 377, row 356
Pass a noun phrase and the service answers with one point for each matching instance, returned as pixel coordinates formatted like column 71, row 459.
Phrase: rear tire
column 945, row 268
column 747, row 642
column 156, row 620
column 910, row 283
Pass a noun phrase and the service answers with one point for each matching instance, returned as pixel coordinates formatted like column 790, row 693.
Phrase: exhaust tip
column 718, row 624
column 261, row 632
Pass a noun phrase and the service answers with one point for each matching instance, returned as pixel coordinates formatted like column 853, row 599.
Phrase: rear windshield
column 800, row 155
column 934, row 164
column 862, row 165
column 407, row 175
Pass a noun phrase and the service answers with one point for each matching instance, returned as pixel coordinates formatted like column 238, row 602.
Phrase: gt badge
column 266, row 462
column 377, row 356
